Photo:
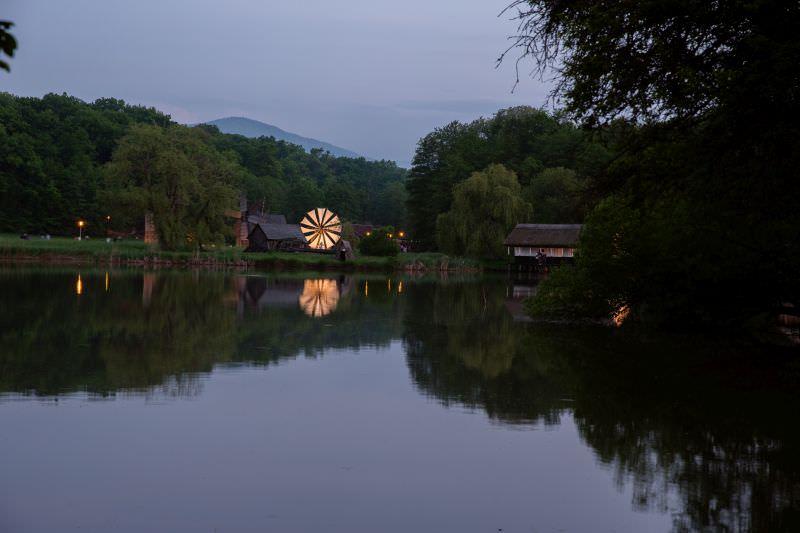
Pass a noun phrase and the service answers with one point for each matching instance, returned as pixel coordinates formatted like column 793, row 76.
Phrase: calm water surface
column 184, row 401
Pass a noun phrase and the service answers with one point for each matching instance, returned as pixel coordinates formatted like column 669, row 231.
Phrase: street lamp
column 81, row 223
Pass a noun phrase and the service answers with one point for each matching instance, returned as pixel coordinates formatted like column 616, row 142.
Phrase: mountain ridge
column 249, row 127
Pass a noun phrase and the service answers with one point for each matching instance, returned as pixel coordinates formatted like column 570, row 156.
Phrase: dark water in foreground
column 207, row 402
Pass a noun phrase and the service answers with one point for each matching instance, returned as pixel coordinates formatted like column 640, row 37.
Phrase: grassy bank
column 131, row 252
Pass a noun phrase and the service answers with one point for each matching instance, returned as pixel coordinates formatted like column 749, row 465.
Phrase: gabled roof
column 280, row 232
column 544, row 235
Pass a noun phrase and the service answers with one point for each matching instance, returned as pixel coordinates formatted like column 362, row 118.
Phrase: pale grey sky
column 372, row 76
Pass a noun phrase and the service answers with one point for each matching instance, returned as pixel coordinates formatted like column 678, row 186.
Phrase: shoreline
column 276, row 261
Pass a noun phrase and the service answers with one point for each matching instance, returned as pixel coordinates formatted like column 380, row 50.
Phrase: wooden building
column 248, row 221
column 344, row 250
column 265, row 236
column 542, row 244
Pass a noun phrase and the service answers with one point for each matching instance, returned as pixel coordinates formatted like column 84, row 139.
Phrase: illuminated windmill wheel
column 319, row 297
column 321, row 228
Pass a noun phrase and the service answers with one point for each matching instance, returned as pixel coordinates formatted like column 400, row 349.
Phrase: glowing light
column 106, row 280
column 321, row 228
column 369, row 233
column 401, row 234
column 366, row 288
column 79, row 286
column 399, row 287
column 81, row 223
column 319, row 298
column 620, row 315
column 390, row 284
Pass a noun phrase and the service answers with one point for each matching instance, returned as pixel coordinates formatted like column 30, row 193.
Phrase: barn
column 265, row 236
column 247, row 221
column 542, row 244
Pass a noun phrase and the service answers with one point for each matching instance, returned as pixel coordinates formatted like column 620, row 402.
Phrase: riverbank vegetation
column 63, row 250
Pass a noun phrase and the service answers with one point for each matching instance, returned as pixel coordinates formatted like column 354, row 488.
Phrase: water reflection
column 319, row 297
column 703, row 430
column 154, row 326
column 700, row 429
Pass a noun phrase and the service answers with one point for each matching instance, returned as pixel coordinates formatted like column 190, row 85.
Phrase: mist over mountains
column 254, row 128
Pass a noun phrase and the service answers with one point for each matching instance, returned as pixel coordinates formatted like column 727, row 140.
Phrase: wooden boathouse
column 541, row 245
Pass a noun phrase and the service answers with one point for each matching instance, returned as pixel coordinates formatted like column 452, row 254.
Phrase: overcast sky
column 372, row 76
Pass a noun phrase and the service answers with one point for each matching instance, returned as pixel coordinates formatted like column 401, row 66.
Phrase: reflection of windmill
column 320, row 297
column 321, row 228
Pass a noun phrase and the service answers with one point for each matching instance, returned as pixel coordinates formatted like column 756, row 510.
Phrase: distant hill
column 254, row 128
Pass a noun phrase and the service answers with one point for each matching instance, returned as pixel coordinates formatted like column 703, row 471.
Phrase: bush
column 379, row 243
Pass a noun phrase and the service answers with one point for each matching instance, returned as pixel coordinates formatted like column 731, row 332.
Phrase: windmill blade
column 326, row 217
column 321, row 227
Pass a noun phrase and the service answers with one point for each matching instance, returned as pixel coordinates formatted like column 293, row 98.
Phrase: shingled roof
column 281, row 232
column 544, row 235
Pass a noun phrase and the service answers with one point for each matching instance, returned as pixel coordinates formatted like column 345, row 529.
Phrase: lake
column 196, row 401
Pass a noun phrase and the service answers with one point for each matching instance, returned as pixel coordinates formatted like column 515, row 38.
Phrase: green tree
column 53, row 150
column 523, row 139
column 303, row 196
column 178, row 176
column 555, row 195
column 391, row 202
column 701, row 97
column 380, row 242
column 485, row 207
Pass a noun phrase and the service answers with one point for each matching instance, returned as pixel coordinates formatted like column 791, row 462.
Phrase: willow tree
column 485, row 207
column 178, row 176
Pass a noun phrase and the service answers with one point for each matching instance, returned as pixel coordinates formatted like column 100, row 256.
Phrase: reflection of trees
column 55, row 341
column 708, row 422
column 707, row 427
column 700, row 430
column 463, row 347
column 273, row 332
column 155, row 332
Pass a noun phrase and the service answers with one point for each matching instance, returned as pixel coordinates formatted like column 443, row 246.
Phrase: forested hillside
column 550, row 160
column 55, row 155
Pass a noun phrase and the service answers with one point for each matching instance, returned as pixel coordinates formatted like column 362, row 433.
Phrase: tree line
column 677, row 145
column 105, row 162
column 469, row 183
